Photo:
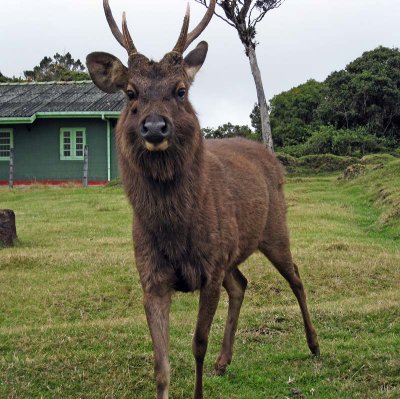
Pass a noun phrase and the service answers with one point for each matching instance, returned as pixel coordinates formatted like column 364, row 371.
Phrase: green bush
column 355, row 142
column 373, row 159
column 328, row 140
column 320, row 141
column 294, row 150
column 326, row 162
column 287, row 160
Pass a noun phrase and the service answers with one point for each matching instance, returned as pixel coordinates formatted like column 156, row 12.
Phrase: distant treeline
column 60, row 67
column 353, row 112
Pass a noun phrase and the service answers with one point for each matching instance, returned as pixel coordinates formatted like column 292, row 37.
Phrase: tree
column 244, row 15
column 366, row 94
column 5, row 79
column 255, row 118
column 228, row 130
column 293, row 113
column 59, row 68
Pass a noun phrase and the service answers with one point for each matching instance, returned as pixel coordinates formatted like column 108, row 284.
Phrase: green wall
column 37, row 151
column 114, row 159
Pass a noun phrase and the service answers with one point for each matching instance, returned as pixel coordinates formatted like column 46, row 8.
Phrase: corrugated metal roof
column 26, row 99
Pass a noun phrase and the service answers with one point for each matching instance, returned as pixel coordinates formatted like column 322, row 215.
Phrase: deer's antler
column 124, row 39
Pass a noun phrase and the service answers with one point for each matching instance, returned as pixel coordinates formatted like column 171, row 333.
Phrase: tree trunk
column 8, row 231
column 262, row 102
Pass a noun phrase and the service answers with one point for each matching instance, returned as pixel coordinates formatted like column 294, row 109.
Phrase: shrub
column 320, row 141
column 342, row 142
column 354, row 142
column 377, row 159
column 328, row 140
column 287, row 160
column 326, row 162
column 294, row 150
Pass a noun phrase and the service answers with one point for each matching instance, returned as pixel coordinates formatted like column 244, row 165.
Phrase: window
column 72, row 143
column 6, row 143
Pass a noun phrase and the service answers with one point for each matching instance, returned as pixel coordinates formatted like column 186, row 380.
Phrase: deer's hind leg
column 276, row 249
column 235, row 285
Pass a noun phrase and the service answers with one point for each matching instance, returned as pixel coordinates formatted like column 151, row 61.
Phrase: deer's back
column 249, row 178
column 247, row 164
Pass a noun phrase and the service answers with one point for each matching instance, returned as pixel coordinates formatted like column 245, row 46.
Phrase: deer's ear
column 107, row 72
column 194, row 60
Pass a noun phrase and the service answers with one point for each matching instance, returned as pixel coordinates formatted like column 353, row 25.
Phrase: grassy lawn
column 72, row 324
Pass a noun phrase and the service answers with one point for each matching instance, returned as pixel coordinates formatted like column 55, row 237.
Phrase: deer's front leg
column 157, row 312
column 209, row 298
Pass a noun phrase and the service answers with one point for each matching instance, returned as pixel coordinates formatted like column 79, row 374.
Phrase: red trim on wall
column 53, row 182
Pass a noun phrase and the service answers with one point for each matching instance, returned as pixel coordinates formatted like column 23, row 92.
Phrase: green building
column 48, row 125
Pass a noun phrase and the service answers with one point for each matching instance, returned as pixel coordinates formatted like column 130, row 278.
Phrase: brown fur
column 201, row 207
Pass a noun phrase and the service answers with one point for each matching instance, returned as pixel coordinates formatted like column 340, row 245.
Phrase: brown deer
column 202, row 207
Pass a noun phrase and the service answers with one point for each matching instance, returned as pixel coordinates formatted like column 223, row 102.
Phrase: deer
column 201, row 207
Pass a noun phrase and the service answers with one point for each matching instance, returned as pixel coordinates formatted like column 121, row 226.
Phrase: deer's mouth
column 157, row 146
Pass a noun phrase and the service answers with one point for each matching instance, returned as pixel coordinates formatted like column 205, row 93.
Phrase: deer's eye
column 181, row 93
column 131, row 94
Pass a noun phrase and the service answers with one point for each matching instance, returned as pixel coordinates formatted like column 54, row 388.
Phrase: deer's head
column 158, row 122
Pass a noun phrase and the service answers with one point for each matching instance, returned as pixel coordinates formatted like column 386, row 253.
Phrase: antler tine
column 113, row 26
column 201, row 26
column 180, row 44
column 130, row 47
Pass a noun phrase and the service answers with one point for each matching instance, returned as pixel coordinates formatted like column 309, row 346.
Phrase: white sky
column 300, row 40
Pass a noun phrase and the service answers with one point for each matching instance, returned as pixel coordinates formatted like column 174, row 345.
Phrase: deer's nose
column 155, row 129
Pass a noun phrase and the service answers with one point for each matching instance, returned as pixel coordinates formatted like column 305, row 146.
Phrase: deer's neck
column 168, row 206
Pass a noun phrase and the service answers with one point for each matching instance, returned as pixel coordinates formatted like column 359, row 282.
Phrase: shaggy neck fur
column 164, row 189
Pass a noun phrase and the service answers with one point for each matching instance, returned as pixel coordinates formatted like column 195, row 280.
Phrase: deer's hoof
column 315, row 351
column 220, row 369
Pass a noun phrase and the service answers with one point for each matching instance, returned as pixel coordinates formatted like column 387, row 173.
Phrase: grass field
column 72, row 323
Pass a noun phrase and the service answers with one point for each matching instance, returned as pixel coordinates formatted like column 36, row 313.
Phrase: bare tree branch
column 263, row 7
column 240, row 15
column 245, row 9
column 204, row 3
column 249, row 17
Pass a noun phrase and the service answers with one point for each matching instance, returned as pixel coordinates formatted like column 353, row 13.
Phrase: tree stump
column 8, row 231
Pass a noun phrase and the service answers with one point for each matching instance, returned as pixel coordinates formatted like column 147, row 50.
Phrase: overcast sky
column 302, row 39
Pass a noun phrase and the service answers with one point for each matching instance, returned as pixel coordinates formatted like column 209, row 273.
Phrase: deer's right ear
column 107, row 72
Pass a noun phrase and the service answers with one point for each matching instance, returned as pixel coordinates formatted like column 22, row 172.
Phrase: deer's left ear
column 194, row 60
